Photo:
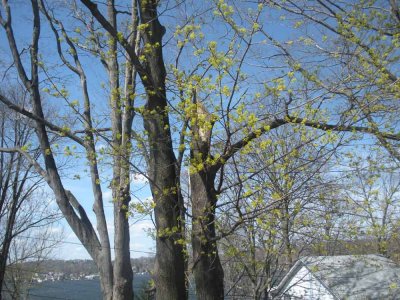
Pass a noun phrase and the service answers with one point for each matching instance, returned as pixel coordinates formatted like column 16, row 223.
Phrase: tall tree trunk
column 170, row 259
column 208, row 272
column 123, row 274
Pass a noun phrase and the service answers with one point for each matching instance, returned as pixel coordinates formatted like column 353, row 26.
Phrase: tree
column 116, row 281
column 373, row 193
column 33, row 248
column 301, row 93
column 75, row 215
column 287, row 183
column 161, row 160
column 359, row 39
column 21, row 211
column 224, row 91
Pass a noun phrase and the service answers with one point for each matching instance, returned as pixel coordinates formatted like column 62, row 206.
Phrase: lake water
column 77, row 289
column 83, row 289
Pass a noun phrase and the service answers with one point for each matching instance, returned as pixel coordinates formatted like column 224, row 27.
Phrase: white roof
column 351, row 276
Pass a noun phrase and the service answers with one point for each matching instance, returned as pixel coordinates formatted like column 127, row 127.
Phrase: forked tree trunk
column 170, row 259
column 208, row 272
column 123, row 274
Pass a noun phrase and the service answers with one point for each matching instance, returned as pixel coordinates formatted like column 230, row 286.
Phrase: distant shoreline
column 82, row 289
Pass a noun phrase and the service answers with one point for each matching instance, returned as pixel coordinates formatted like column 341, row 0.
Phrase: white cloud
column 56, row 230
column 141, row 227
column 107, row 196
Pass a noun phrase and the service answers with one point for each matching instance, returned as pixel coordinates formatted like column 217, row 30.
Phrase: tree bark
column 208, row 272
column 170, row 277
column 170, row 261
column 123, row 274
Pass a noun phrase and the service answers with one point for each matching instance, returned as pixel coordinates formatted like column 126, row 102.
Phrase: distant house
column 352, row 277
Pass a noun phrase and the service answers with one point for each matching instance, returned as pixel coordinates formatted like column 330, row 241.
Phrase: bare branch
column 33, row 162
column 30, row 115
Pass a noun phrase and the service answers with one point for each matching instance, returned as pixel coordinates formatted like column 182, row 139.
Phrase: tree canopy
column 242, row 116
